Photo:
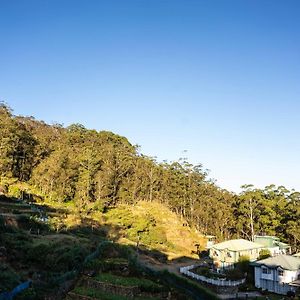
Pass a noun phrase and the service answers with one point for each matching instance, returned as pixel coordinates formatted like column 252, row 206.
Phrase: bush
column 28, row 294
column 37, row 254
column 234, row 274
column 243, row 264
column 264, row 253
column 70, row 259
column 14, row 191
column 8, row 278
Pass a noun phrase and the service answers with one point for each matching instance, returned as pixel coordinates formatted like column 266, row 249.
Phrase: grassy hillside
column 155, row 227
column 44, row 241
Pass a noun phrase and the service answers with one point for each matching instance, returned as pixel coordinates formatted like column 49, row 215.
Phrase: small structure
column 211, row 240
column 273, row 244
column 277, row 274
column 228, row 253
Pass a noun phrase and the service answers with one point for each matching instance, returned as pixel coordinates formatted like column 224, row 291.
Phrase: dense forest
column 100, row 170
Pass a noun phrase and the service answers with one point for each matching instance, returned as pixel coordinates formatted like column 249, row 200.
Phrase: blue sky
column 220, row 79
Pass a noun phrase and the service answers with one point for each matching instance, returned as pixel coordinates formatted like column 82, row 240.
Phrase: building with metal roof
column 228, row 253
column 277, row 274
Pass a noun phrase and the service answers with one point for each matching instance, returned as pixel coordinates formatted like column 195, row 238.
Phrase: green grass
column 144, row 284
column 116, row 261
column 104, row 296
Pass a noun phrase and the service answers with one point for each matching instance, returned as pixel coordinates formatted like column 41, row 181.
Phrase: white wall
column 273, row 282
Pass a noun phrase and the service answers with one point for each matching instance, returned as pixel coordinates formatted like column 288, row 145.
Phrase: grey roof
column 270, row 241
column 287, row 262
column 237, row 245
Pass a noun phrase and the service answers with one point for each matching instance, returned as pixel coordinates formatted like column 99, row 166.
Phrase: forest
column 99, row 170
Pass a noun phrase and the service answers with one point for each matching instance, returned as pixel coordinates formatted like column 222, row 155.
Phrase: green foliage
column 29, row 294
column 38, row 253
column 69, row 259
column 8, row 278
column 104, row 296
column 206, row 271
column 142, row 227
column 101, row 170
column 264, row 253
column 243, row 263
column 235, row 274
column 244, row 259
column 145, row 284
column 14, row 191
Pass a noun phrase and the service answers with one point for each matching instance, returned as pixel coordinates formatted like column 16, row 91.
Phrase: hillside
column 155, row 227
column 54, row 247
column 65, row 190
column 99, row 170
column 96, row 171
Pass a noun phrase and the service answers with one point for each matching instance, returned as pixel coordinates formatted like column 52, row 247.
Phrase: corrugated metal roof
column 237, row 245
column 287, row 262
column 266, row 240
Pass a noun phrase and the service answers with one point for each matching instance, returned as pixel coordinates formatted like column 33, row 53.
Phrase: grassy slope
column 158, row 228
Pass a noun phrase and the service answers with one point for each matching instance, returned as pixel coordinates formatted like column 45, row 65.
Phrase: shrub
column 264, row 253
column 8, row 278
column 243, row 263
column 37, row 254
column 28, row 294
column 71, row 258
column 14, row 191
column 234, row 274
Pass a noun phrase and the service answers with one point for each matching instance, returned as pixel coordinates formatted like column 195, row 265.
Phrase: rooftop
column 270, row 241
column 237, row 245
column 286, row 262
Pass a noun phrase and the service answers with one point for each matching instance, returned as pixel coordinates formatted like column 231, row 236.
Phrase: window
column 266, row 271
column 280, row 272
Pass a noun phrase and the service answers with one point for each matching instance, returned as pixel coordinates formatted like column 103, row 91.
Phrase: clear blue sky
column 220, row 79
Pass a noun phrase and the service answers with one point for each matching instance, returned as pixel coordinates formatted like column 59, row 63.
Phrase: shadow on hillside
column 34, row 247
column 184, row 260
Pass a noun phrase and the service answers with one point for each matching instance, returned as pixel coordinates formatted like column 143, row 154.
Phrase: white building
column 273, row 244
column 276, row 274
column 228, row 253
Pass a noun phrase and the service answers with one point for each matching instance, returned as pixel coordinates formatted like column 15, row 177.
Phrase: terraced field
column 112, row 279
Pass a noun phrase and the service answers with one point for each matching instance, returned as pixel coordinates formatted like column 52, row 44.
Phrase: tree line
column 97, row 170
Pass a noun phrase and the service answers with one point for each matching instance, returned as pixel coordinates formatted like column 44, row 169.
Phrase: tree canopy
column 100, row 170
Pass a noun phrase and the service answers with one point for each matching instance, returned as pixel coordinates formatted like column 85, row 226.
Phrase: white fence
column 220, row 282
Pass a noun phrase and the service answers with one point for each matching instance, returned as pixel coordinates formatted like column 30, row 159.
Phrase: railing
column 220, row 282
